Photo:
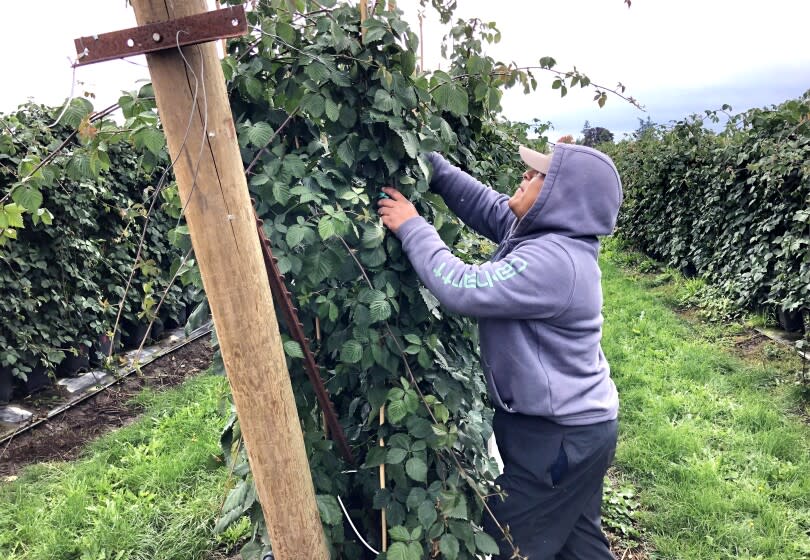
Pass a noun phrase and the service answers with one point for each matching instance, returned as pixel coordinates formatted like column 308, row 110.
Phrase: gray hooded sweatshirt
column 539, row 298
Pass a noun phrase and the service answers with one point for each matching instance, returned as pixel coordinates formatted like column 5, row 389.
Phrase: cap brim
column 535, row 160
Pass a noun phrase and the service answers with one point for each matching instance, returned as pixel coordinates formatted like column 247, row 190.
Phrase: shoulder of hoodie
column 554, row 244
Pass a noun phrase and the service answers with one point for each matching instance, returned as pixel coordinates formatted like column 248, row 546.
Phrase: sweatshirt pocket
column 494, row 394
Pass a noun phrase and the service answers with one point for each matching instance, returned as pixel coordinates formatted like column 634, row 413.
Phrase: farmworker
column 538, row 303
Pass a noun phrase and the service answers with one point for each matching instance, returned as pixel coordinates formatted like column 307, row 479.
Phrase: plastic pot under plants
column 791, row 321
column 135, row 334
column 74, row 363
column 176, row 319
column 158, row 328
column 6, row 384
column 36, row 380
column 102, row 347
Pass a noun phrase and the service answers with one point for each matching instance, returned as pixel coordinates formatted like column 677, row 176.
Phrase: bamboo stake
column 196, row 117
column 382, row 485
column 363, row 17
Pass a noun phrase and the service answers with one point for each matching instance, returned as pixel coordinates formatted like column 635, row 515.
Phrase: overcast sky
column 676, row 57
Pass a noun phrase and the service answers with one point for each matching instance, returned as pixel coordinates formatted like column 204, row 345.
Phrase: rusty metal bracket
column 154, row 37
column 283, row 298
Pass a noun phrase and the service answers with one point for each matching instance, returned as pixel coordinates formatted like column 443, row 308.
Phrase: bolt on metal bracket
column 154, row 37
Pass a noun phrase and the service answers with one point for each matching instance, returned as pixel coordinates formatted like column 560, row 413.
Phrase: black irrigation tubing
column 202, row 331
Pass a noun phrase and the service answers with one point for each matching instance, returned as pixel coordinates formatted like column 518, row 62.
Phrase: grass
column 149, row 491
column 710, row 446
column 722, row 467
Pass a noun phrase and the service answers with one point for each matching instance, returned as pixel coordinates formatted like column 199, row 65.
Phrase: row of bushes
column 62, row 279
column 733, row 207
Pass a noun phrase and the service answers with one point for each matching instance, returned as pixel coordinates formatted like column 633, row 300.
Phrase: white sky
column 676, row 56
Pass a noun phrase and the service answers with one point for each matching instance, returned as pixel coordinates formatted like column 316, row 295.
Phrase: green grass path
column 722, row 469
column 149, row 491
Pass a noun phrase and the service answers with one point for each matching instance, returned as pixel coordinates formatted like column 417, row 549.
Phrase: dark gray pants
column 553, row 478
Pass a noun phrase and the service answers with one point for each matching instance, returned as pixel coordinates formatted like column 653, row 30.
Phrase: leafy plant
column 732, row 207
column 325, row 119
column 67, row 257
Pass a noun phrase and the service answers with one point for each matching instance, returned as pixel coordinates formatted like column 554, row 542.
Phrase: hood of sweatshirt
column 580, row 197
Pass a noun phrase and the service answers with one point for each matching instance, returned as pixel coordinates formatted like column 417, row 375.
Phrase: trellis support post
column 196, row 116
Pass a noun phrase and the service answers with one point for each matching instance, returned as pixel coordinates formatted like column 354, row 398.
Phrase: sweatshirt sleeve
column 535, row 281
column 483, row 209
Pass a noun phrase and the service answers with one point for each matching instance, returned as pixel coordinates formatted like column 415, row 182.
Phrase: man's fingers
column 383, row 202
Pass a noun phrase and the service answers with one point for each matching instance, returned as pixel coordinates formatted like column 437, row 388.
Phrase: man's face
column 526, row 193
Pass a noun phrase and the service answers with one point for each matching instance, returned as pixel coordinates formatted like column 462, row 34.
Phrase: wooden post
column 220, row 218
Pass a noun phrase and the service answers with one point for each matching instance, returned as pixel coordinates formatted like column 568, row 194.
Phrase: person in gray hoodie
column 538, row 302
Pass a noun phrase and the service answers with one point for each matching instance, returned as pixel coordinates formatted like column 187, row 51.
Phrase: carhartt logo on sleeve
column 482, row 279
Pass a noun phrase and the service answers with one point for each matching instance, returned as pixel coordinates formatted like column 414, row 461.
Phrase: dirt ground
column 64, row 436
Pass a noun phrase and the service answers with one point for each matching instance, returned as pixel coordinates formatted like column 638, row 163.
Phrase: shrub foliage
column 733, row 207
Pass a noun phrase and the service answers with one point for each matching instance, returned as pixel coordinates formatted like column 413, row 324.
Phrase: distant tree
column 593, row 136
column 644, row 127
column 567, row 139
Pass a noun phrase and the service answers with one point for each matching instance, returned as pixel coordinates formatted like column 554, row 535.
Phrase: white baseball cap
column 535, row 160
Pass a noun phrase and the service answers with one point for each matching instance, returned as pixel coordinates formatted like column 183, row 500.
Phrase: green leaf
column 254, row 87
column 27, row 196
column 346, row 152
column 446, row 133
column 150, row 138
column 13, row 213
column 368, row 295
column 281, row 193
column 372, row 237
column 431, row 302
column 295, row 235
column 383, row 101
column 399, row 551
column 416, row 469
column 397, row 410
column 399, row 533
column 413, row 339
column 78, row 109
column 452, row 98
column 329, row 509
column 375, row 30
column 427, row 514
column 410, row 141
column 375, row 457
column 293, row 349
column 260, row 134
column 396, row 456
column 332, row 110
column 351, row 352
column 348, row 116
column 380, row 310
column 326, row 227
column 415, row 549
column 314, row 104
column 295, row 166
column 448, row 545
column 458, row 102
column 454, row 505
column 486, row 544
column 317, row 71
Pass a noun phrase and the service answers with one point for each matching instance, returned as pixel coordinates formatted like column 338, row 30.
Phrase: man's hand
column 395, row 210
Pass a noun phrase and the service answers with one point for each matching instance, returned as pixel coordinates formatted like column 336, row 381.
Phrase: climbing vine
column 328, row 111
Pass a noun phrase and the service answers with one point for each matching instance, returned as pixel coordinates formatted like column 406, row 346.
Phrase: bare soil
column 63, row 437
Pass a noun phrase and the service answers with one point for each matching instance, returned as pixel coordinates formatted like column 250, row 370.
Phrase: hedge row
column 61, row 282
column 733, row 207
